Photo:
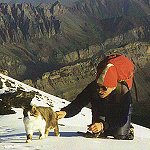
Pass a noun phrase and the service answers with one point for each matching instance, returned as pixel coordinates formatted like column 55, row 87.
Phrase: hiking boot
column 131, row 133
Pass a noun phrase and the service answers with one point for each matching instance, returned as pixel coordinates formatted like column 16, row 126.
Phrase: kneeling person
column 110, row 98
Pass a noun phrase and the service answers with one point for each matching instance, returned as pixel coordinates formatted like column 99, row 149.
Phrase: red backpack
column 124, row 67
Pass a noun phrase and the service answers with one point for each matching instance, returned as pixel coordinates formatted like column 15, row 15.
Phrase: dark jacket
column 113, row 112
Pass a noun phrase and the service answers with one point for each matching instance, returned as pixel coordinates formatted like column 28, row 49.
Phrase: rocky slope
column 68, row 81
column 86, row 28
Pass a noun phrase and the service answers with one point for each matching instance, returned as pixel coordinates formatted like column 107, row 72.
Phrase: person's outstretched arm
column 80, row 101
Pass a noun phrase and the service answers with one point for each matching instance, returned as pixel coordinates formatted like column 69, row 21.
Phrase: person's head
column 105, row 91
column 107, row 80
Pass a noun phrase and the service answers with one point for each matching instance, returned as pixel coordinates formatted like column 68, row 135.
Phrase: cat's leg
column 42, row 133
column 56, row 131
column 29, row 138
column 47, row 131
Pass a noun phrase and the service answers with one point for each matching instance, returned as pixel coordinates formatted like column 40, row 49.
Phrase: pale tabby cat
column 39, row 118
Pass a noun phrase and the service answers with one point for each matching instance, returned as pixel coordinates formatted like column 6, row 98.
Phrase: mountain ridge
column 81, row 36
column 82, row 25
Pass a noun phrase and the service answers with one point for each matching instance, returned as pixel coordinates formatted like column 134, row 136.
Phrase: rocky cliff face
column 66, row 42
column 57, row 35
column 77, row 37
column 68, row 81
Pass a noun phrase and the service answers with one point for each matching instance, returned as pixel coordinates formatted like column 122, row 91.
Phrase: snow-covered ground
column 13, row 136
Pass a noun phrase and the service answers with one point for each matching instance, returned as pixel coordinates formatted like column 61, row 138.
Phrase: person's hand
column 60, row 114
column 96, row 127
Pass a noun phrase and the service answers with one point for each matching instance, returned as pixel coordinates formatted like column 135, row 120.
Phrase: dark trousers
column 121, row 133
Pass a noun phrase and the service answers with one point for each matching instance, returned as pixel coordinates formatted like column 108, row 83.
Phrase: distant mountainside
column 36, row 2
column 55, row 46
column 46, row 36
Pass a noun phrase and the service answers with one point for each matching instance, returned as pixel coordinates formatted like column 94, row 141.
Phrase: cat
column 39, row 118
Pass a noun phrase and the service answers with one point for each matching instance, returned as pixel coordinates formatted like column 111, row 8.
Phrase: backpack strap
column 119, row 90
column 136, row 93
